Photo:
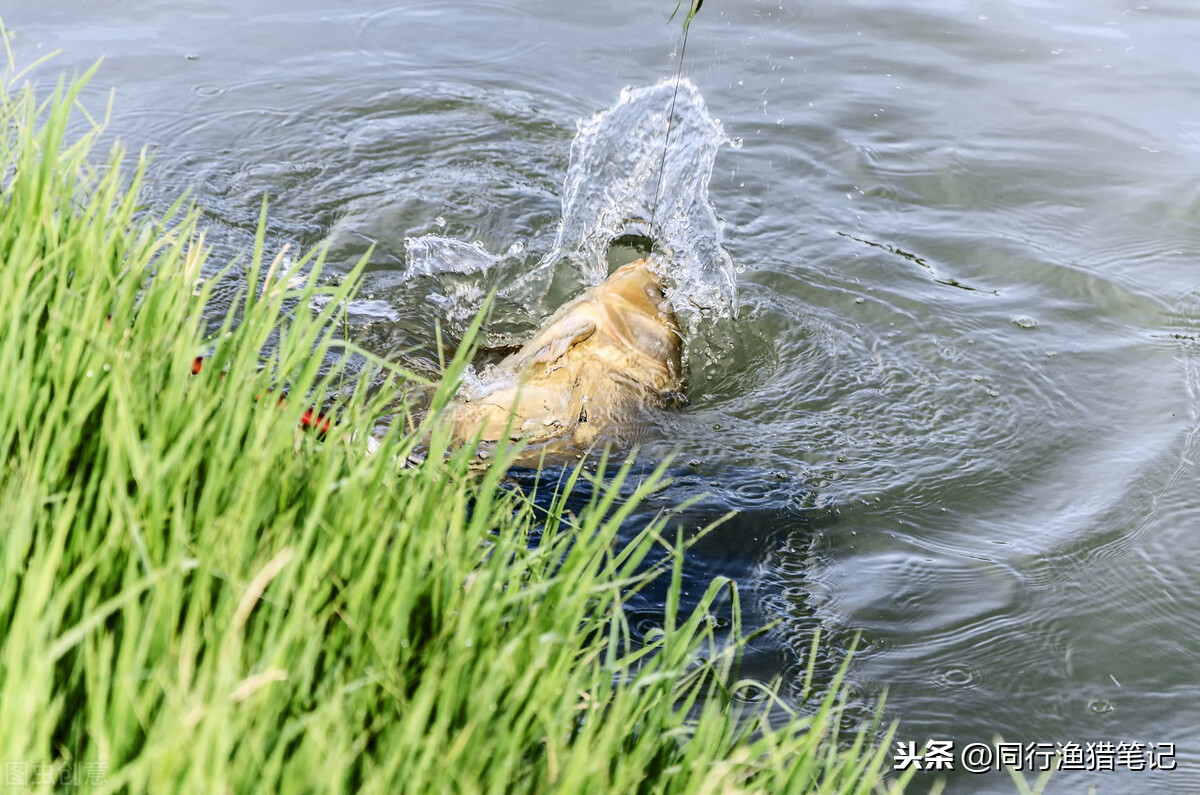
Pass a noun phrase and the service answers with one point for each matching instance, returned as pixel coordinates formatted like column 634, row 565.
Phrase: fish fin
column 572, row 332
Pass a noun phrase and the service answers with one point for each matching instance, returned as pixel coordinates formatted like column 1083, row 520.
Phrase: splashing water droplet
column 431, row 255
column 616, row 159
column 613, row 178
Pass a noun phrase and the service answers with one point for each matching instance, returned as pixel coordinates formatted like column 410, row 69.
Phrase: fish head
column 596, row 365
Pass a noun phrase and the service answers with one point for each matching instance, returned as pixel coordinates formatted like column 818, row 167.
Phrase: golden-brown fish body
column 598, row 364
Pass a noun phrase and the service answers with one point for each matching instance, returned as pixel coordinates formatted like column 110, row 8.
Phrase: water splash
column 464, row 272
column 616, row 159
column 613, row 174
column 434, row 255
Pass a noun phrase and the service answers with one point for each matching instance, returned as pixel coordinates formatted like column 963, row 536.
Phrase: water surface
column 959, row 407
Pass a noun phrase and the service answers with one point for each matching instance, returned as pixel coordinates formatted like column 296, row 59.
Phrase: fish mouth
column 634, row 311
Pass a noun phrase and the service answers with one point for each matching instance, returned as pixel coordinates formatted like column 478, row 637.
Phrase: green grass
column 199, row 596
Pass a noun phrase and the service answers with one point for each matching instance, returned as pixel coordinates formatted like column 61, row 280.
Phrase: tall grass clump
column 200, row 596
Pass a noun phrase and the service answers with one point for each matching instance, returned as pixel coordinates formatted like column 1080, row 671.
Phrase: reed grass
column 200, row 596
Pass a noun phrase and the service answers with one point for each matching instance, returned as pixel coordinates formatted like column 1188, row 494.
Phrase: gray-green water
column 960, row 407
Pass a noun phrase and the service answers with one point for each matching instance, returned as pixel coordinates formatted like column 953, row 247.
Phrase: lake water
column 959, row 407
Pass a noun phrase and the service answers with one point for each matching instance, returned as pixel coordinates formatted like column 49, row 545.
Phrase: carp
column 591, row 373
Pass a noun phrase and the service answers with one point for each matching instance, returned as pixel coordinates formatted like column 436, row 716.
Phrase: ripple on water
column 414, row 34
column 870, row 391
column 957, row 676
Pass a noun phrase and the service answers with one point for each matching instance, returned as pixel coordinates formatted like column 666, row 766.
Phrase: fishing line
column 662, row 164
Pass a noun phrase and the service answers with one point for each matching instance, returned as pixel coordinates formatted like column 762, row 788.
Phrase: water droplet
column 1024, row 321
column 1101, row 707
column 735, row 143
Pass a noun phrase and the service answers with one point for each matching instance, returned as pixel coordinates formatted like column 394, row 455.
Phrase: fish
column 589, row 376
